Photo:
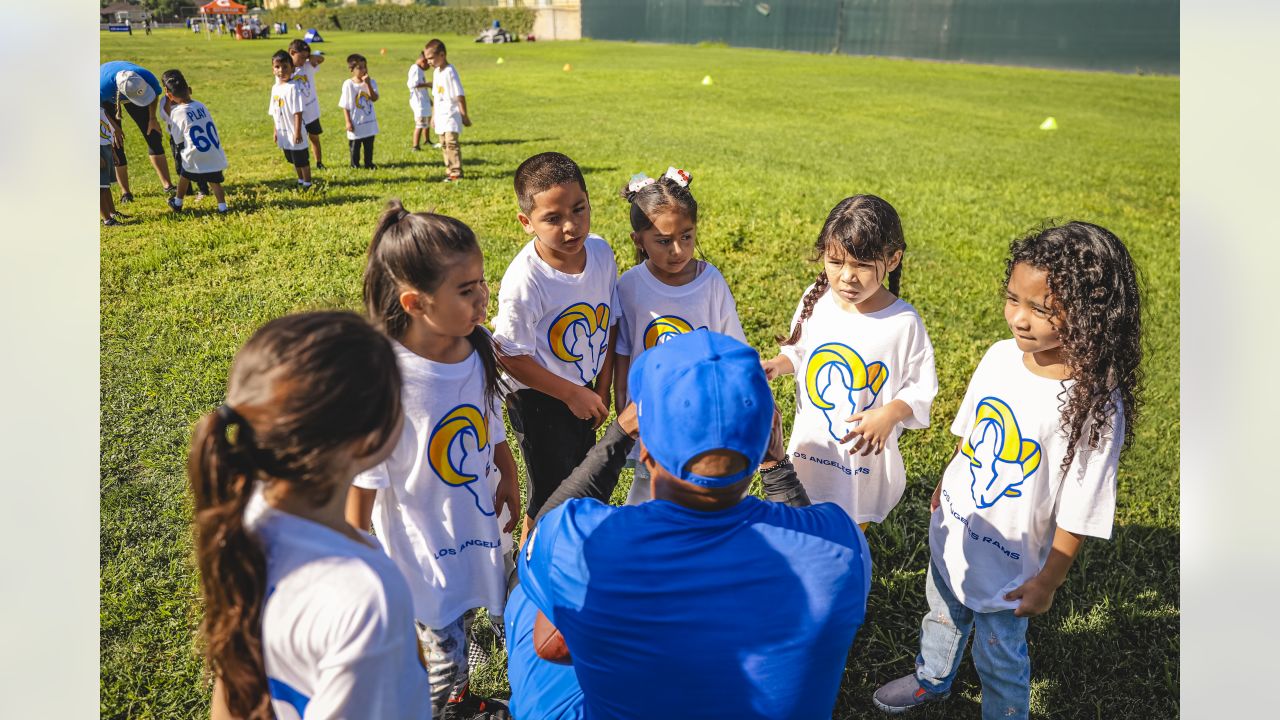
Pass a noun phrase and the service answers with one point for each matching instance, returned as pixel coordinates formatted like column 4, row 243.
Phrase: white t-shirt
column 1004, row 495
column 419, row 97
column 562, row 320
column 106, row 133
column 434, row 509
column 304, row 78
column 286, row 102
column 446, row 88
column 199, row 144
column 847, row 362
column 338, row 638
column 650, row 311
column 357, row 100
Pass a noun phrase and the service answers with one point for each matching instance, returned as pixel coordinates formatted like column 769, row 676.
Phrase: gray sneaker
column 903, row 694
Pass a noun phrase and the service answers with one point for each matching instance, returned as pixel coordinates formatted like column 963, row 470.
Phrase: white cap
column 134, row 87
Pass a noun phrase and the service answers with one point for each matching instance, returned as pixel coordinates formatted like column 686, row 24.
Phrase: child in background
column 556, row 311
column 200, row 156
column 166, row 106
column 106, row 170
column 863, row 364
column 448, row 107
column 668, row 292
column 420, row 100
column 286, row 110
column 437, row 502
column 1041, row 428
column 303, row 614
column 304, row 76
column 359, row 93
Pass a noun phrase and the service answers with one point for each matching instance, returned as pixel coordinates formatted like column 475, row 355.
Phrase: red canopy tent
column 223, row 7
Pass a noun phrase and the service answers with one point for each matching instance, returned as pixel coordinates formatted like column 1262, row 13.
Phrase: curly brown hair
column 1094, row 295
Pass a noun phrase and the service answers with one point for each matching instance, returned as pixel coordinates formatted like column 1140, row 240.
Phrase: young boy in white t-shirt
column 285, row 109
column 200, row 157
column 448, row 107
column 555, row 325
column 420, row 100
column 305, row 63
column 359, row 93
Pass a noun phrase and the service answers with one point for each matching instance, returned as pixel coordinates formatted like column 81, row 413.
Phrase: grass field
column 772, row 145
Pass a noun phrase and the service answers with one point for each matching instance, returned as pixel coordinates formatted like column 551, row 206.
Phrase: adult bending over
column 705, row 602
column 120, row 80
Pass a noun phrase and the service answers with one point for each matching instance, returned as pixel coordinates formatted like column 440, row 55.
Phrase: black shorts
column 313, row 127
column 195, row 177
column 552, row 440
column 155, row 139
column 297, row 158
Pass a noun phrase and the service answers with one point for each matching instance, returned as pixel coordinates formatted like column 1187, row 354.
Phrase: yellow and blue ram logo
column 578, row 335
column 996, row 444
column 663, row 328
column 846, row 363
column 449, row 458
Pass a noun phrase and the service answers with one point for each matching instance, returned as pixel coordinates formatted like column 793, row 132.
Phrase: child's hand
column 875, row 427
column 275, row 136
column 585, row 404
column 605, row 396
column 1036, row 596
column 350, row 127
column 777, row 367
column 508, row 494
column 466, row 121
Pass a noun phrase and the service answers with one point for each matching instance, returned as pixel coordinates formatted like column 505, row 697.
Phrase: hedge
column 408, row 18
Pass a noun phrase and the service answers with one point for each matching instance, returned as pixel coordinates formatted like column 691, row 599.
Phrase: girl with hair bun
column 303, row 614
column 668, row 291
column 863, row 364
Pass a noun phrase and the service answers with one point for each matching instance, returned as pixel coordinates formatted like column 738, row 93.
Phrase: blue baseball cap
column 702, row 391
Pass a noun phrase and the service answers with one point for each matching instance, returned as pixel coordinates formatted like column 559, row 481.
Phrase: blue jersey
column 107, row 91
column 548, row 691
column 743, row 613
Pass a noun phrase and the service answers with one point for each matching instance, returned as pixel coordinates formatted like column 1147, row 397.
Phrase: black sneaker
column 111, row 222
column 320, row 166
column 126, row 197
column 171, row 189
column 173, row 204
column 117, row 215
column 474, row 707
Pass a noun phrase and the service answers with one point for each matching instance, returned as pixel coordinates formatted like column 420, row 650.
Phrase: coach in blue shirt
column 704, row 602
column 125, row 87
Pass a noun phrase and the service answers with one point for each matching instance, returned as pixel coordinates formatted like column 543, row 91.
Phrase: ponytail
column 810, row 299
column 482, row 342
column 232, row 566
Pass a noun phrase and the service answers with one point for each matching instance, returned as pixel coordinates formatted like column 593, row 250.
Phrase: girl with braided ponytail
column 304, row 615
column 1041, row 428
column 437, row 502
column 863, row 364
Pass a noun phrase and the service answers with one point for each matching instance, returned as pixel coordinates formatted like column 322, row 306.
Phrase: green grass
column 772, row 145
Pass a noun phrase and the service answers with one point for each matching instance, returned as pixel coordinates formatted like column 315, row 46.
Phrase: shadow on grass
column 1107, row 648
column 505, row 141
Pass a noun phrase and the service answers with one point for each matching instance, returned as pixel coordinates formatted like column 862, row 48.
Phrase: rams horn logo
column 836, row 362
column 447, row 444
column 663, row 328
column 996, row 444
column 578, row 335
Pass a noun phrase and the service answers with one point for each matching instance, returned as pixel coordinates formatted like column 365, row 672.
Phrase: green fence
column 1119, row 35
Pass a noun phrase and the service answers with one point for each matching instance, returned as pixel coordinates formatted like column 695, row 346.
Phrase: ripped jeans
column 999, row 651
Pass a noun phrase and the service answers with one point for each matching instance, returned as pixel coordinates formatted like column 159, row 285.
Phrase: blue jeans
column 999, row 651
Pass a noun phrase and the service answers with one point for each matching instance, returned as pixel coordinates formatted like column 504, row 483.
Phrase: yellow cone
column 567, row 67
column 707, row 80
column 1049, row 124
column 500, row 61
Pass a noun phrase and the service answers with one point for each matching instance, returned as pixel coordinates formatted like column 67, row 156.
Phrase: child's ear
column 525, row 222
column 410, row 301
column 894, row 260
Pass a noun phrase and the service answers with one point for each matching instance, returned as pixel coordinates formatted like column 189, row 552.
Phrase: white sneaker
column 437, row 146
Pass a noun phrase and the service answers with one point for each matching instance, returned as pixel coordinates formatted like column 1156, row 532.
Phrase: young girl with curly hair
column 863, row 364
column 1041, row 426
